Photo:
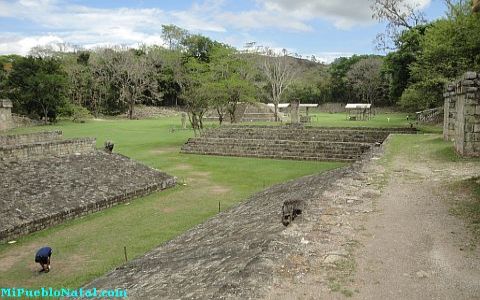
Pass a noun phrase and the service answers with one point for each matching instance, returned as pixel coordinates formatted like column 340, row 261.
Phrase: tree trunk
column 276, row 111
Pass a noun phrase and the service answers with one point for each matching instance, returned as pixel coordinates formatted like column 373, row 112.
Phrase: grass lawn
column 379, row 120
column 88, row 247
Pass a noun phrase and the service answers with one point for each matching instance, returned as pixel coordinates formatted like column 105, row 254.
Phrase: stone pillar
column 294, row 111
column 6, row 121
column 467, row 127
column 450, row 113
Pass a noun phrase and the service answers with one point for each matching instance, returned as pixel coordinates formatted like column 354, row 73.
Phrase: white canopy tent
column 358, row 111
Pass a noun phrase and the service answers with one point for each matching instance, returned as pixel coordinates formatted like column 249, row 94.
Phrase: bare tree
column 280, row 72
column 366, row 78
column 136, row 76
column 399, row 15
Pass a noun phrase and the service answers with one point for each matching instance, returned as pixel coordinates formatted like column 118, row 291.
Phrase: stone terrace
column 290, row 142
column 41, row 193
column 45, row 180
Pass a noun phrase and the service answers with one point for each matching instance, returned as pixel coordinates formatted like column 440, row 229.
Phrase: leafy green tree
column 174, row 36
column 397, row 64
column 450, row 47
column 37, row 86
column 340, row 88
column 233, row 75
column 422, row 95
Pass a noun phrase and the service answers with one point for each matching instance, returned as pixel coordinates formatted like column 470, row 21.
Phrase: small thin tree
column 280, row 72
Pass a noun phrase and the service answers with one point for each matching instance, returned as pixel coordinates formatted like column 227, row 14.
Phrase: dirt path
column 410, row 246
column 416, row 250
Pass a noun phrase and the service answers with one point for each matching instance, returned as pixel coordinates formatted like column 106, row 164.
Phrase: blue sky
column 324, row 28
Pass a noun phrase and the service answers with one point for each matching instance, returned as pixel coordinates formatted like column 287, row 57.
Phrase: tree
column 195, row 92
column 233, row 74
column 397, row 63
column 37, row 86
column 280, row 73
column 423, row 95
column 399, row 15
column 173, row 36
column 367, row 79
column 339, row 85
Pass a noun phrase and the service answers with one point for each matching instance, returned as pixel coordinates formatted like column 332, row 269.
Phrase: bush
column 423, row 95
column 76, row 113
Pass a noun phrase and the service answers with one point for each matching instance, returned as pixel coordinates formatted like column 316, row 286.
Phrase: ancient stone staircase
column 289, row 142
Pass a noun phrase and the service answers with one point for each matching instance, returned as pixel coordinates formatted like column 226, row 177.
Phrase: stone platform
column 290, row 142
column 45, row 180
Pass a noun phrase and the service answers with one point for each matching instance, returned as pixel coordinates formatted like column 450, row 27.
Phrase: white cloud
column 59, row 21
column 343, row 14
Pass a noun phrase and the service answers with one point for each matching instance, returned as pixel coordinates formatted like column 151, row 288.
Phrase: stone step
column 275, row 151
column 277, row 156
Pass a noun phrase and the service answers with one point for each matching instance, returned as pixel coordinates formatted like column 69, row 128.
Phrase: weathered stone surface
column 229, row 256
column 470, row 75
column 28, row 138
column 49, row 148
column 37, row 194
column 6, row 121
column 244, row 252
column 462, row 110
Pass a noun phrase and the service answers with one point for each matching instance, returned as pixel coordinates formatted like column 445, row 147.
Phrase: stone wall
column 45, row 149
column 38, row 194
column 289, row 142
column 16, row 139
column 462, row 114
column 42, row 144
column 6, row 121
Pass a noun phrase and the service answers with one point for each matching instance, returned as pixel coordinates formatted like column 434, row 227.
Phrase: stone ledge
column 39, row 194
column 15, row 139
column 49, row 148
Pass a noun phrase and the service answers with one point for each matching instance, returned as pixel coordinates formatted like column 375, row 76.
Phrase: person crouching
column 43, row 258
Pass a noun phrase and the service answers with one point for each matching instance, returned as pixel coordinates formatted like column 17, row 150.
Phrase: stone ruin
column 290, row 142
column 462, row 114
column 6, row 121
column 247, row 112
column 45, row 180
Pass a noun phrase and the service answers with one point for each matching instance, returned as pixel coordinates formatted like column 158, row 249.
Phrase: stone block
column 5, row 103
column 470, row 75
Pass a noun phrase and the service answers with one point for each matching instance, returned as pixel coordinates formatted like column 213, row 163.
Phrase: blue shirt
column 44, row 252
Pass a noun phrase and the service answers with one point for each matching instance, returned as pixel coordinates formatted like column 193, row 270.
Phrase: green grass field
column 90, row 246
column 385, row 120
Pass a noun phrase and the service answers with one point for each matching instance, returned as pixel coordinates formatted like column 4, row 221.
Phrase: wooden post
column 218, row 206
column 125, row 252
